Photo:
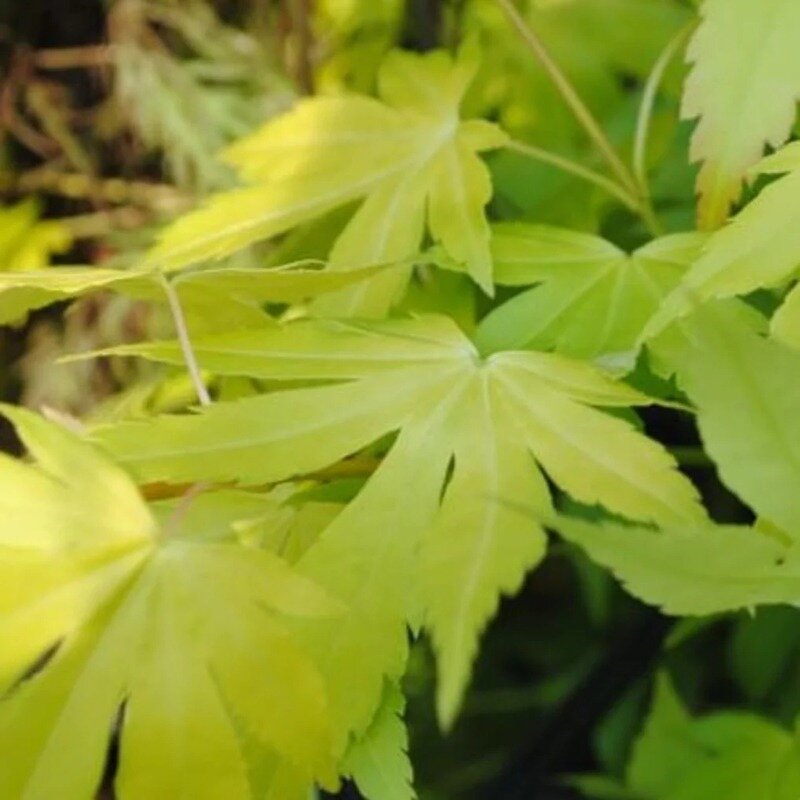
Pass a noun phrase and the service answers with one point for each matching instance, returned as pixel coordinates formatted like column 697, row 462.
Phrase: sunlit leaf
column 740, row 108
column 397, row 153
column 378, row 761
column 212, row 299
column 424, row 378
column 692, row 570
column 164, row 630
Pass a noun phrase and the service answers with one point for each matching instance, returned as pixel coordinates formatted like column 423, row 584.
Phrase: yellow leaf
column 743, row 87
column 504, row 420
column 26, row 243
column 106, row 614
column 396, row 154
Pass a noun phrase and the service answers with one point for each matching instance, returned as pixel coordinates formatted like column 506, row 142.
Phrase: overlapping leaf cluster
column 243, row 638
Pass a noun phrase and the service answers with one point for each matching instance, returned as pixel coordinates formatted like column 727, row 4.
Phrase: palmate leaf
column 664, row 751
column 591, row 299
column 743, row 87
column 495, row 419
column 739, row 382
column 378, row 762
column 399, row 154
column 759, row 248
column 692, row 570
column 180, row 637
column 212, row 299
column 725, row 754
column 743, row 383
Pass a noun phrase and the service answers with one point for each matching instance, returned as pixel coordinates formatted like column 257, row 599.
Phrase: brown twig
column 46, row 179
column 19, row 75
column 94, row 56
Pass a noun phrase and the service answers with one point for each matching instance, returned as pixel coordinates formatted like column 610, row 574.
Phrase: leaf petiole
column 573, row 168
column 645, row 114
column 182, row 331
column 569, row 94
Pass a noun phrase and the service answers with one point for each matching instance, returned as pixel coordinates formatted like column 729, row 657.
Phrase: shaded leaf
column 741, row 382
column 591, row 299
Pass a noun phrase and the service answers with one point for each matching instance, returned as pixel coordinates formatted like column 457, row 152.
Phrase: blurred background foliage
column 111, row 115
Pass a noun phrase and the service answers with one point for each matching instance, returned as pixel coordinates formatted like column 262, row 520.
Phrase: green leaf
column 378, row 761
column 478, row 545
column 103, row 609
column 760, row 248
column 600, row 787
column 397, row 154
column 692, row 570
column 764, row 650
column 366, row 557
column 740, row 108
column 212, row 299
column 743, row 383
column 593, row 41
column 751, row 757
column 423, row 378
column 388, row 224
column 785, row 322
column 731, row 755
column 664, row 751
column 591, row 299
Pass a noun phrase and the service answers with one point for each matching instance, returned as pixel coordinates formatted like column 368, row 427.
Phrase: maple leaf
column 693, row 570
column 399, row 154
column 212, row 299
column 740, row 381
column 757, row 249
column 172, row 631
column 591, row 299
column 735, row 755
column 496, row 419
column 744, row 87
column 378, row 761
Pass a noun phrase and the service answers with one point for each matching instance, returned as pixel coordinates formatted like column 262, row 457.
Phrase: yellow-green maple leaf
column 502, row 421
column 172, row 632
column 692, row 570
column 744, row 86
column 591, row 299
column 378, row 761
column 399, row 154
column 212, row 299
column 759, row 248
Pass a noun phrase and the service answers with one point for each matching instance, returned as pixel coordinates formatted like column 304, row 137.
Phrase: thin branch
column 573, row 168
column 569, row 94
column 173, row 523
column 299, row 12
column 47, row 179
column 179, row 320
column 87, row 57
column 645, row 114
column 101, row 223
